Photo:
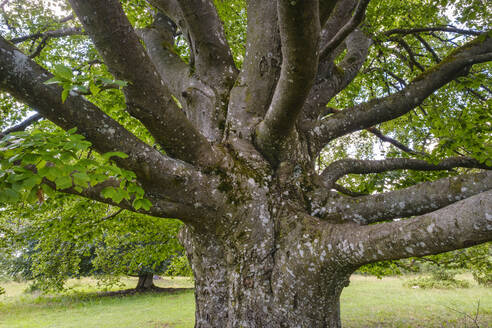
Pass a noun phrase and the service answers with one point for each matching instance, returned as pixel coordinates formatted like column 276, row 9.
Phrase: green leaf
column 80, row 88
column 53, row 80
column 94, row 88
column 142, row 203
column 81, row 179
column 108, row 192
column 120, row 83
column 110, row 154
column 63, row 182
column 63, row 72
column 32, row 181
column 64, row 94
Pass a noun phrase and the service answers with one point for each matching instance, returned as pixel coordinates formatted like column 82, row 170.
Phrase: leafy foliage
column 38, row 162
column 440, row 278
column 66, row 237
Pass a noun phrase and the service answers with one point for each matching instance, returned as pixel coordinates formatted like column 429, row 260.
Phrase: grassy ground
column 367, row 302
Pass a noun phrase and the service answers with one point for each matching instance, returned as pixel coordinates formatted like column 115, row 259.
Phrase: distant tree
column 222, row 113
column 66, row 237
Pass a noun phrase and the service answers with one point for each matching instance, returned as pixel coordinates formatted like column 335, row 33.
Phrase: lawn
column 367, row 302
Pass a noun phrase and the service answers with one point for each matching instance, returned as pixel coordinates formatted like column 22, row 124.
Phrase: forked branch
column 213, row 57
column 23, row 79
column 384, row 109
column 328, row 84
column 415, row 200
column 339, row 168
column 348, row 28
column 126, row 58
column 299, row 33
column 326, row 7
column 428, row 234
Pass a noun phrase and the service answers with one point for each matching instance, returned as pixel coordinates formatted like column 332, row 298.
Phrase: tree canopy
column 66, row 237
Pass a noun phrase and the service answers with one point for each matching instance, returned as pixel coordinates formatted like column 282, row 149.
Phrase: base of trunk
column 145, row 282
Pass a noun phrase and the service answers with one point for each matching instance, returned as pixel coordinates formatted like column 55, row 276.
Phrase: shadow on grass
column 134, row 291
column 80, row 297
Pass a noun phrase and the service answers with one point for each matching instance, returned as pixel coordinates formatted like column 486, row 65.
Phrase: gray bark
column 270, row 244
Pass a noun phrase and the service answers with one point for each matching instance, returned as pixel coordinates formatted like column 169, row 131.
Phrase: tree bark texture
column 145, row 282
column 272, row 243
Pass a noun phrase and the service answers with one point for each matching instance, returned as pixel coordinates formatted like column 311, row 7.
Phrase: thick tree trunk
column 256, row 277
column 228, row 298
column 145, row 281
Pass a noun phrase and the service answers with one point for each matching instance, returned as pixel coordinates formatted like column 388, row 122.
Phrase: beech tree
column 256, row 150
column 65, row 237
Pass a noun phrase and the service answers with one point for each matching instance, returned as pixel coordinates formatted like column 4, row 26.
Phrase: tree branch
column 384, row 109
column 260, row 70
column 394, row 142
column 326, row 7
column 415, row 200
column 342, row 167
column 23, row 79
column 347, row 192
column 22, row 126
column 429, row 48
column 66, row 31
column 339, row 17
column 159, row 41
column 126, row 58
column 197, row 98
column 411, row 54
column 429, row 234
column 336, row 78
column 350, row 26
column 160, row 207
column 299, row 33
column 213, row 58
column 432, row 29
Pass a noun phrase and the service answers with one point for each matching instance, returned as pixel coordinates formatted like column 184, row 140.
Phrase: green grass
column 367, row 302
column 81, row 307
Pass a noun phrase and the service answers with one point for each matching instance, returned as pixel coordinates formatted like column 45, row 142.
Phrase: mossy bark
column 266, row 272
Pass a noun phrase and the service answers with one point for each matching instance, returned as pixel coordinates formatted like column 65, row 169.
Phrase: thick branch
column 350, row 26
column 23, row 79
column 172, row 9
column 260, row 70
column 299, row 32
column 338, row 17
column 160, row 207
column 22, row 125
column 415, row 200
column 328, row 84
column 345, row 166
column 213, row 58
column 463, row 224
column 384, row 109
column 148, row 98
column 159, row 42
column 326, row 7
column 197, row 98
